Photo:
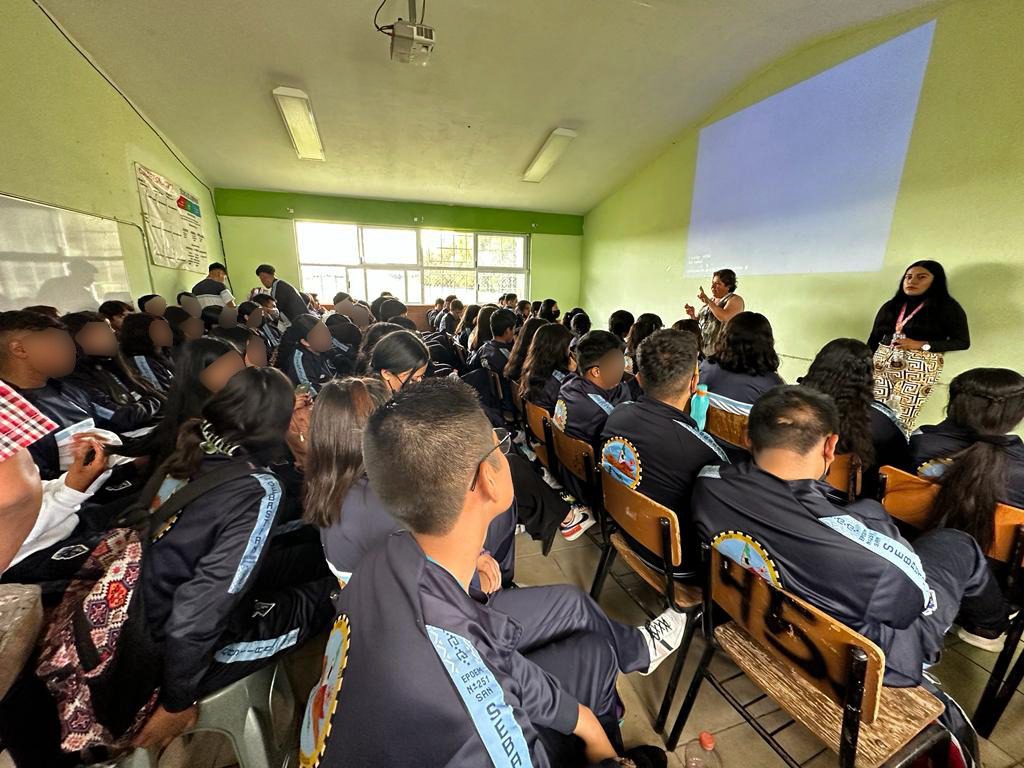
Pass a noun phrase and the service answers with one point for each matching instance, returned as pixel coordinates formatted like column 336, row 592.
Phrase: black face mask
column 556, row 314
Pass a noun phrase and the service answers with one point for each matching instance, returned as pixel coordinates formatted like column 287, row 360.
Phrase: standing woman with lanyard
column 910, row 333
column 719, row 308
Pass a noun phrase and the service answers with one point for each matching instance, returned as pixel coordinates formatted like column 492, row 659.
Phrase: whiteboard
column 61, row 258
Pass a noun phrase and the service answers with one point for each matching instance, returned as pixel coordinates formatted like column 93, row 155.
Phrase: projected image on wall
column 806, row 180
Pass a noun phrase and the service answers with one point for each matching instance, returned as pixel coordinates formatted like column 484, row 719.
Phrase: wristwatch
column 926, row 347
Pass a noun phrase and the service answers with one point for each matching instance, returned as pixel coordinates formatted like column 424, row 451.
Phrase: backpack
column 97, row 657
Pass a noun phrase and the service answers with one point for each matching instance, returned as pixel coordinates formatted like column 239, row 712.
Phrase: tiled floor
column 963, row 672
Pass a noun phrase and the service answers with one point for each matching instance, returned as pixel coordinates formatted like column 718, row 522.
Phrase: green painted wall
column 70, row 140
column 555, row 262
column 960, row 201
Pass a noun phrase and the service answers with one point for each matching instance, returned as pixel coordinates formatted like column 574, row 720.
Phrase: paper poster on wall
column 174, row 222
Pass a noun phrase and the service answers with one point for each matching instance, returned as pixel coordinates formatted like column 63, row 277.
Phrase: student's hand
column 691, row 311
column 906, row 343
column 595, row 740
column 163, row 726
column 490, row 573
column 90, row 461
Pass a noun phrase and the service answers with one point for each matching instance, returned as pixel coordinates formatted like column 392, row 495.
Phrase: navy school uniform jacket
column 366, row 523
column 583, row 407
column 739, row 387
column 656, row 449
column 891, row 449
column 138, row 409
column 288, row 300
column 306, row 367
column 549, row 396
column 492, row 355
column 431, row 675
column 849, row 561
column 448, row 323
column 156, row 370
column 940, row 441
column 198, row 572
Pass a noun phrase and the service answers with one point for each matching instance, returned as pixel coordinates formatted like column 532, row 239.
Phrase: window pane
column 414, row 286
column 447, row 249
column 500, row 251
column 324, row 281
column 389, row 246
column 322, row 243
column 390, row 280
column 491, row 285
column 438, row 283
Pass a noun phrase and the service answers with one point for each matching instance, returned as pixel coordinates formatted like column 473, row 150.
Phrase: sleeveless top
column 710, row 326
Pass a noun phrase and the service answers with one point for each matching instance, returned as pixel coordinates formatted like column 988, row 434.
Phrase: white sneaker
column 520, row 528
column 663, row 635
column 990, row 644
column 577, row 523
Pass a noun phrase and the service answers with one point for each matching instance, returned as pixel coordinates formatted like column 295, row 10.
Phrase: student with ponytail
column 972, row 454
column 146, row 341
column 400, row 358
column 223, row 596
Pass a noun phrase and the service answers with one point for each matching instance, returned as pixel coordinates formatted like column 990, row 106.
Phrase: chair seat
column 686, row 595
column 902, row 712
column 21, row 620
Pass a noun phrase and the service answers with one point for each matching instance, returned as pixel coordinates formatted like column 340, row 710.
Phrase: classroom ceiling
column 628, row 75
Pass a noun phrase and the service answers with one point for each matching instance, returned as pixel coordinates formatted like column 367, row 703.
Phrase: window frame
column 419, row 266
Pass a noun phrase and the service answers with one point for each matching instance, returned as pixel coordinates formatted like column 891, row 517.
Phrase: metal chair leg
column 691, row 697
column 677, row 670
column 603, row 566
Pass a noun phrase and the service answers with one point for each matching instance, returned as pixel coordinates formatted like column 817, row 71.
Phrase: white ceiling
column 628, row 75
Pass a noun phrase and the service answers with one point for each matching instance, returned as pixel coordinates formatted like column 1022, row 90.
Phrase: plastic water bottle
column 701, row 753
column 699, row 406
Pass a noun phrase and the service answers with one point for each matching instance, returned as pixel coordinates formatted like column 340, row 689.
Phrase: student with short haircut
column 776, row 517
column 585, row 400
column 433, row 313
column 146, row 341
column 445, row 309
column 302, row 354
column 448, row 322
column 211, row 291
column 549, row 364
column 152, row 304
column 184, row 327
column 268, row 329
column 619, row 323
column 653, row 446
column 223, row 596
column 510, row 302
column 523, row 313
column 289, row 302
column 187, row 301
column 494, row 353
column 478, row 686
column 116, row 312
column 345, row 340
column 122, row 397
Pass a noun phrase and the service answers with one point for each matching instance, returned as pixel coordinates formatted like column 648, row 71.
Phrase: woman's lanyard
column 904, row 318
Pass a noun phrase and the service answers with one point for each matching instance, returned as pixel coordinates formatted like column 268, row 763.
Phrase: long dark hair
column 989, row 402
column 111, row 374
column 292, row 340
column 468, row 319
column 175, row 316
column 482, row 328
column 747, row 346
column 517, row 357
column 644, row 326
column 252, row 412
column 399, row 351
column 371, row 338
column 547, row 310
column 548, row 353
column 135, row 339
column 938, row 291
column 334, row 457
column 185, row 398
column 843, row 370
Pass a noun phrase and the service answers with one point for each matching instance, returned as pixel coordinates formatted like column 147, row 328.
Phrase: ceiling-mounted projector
column 412, row 41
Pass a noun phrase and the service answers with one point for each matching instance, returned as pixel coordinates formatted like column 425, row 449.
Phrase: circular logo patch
column 316, row 724
column 621, row 461
column 741, row 548
column 561, row 415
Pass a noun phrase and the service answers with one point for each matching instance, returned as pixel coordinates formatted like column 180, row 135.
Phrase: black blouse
column 943, row 325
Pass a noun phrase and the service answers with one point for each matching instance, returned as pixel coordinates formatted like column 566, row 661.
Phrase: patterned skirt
column 904, row 379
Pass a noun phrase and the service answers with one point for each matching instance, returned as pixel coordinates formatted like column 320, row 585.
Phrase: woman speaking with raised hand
column 719, row 308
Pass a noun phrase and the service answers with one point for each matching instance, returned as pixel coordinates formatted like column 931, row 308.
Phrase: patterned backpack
column 97, row 656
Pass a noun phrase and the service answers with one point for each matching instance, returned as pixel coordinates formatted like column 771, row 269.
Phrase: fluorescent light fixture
column 297, row 113
column 553, row 148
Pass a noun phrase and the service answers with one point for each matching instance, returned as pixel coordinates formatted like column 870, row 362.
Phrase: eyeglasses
column 504, row 444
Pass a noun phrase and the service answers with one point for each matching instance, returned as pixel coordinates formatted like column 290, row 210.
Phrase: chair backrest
column 496, row 386
column 845, row 475
column 535, row 418
column 641, row 518
column 813, row 645
column 730, row 427
column 577, row 456
column 911, row 499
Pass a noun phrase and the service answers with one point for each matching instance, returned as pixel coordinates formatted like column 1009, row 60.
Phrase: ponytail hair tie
column 213, row 443
column 1000, row 441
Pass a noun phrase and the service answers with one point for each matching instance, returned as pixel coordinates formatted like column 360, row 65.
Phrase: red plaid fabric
column 21, row 424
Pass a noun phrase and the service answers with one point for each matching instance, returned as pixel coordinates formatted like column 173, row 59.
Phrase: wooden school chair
column 910, row 498
column 727, row 426
column 576, row 458
column 824, row 675
column 845, row 475
column 538, row 422
column 497, row 386
column 655, row 527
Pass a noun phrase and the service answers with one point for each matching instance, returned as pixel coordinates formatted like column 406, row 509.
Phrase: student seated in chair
column 653, row 446
column 474, row 685
column 585, row 401
column 549, row 364
column 494, row 353
column 776, row 517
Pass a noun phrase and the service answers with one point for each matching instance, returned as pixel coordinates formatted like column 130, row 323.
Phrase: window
column 415, row 265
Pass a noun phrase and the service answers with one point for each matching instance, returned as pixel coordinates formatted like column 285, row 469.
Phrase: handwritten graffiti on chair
column 812, row 644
